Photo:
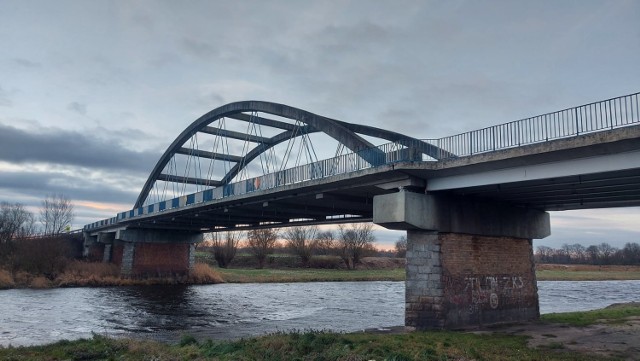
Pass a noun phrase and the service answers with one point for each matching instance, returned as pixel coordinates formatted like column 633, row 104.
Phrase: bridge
column 470, row 203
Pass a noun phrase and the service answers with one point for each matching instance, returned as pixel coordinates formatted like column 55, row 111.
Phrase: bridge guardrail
column 589, row 118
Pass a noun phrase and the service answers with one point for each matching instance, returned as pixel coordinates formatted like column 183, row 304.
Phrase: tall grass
column 204, row 274
column 78, row 273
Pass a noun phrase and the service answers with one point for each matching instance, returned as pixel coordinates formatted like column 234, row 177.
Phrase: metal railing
column 590, row 118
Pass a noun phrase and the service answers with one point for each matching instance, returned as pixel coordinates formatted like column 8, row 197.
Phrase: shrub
column 44, row 256
column 187, row 340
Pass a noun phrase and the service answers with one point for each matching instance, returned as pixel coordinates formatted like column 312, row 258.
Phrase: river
column 224, row 311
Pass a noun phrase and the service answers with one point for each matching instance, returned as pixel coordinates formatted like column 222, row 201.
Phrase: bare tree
column 225, row 246
column 302, row 242
column 15, row 222
column 606, row 251
column 261, row 243
column 325, row 243
column 354, row 242
column 631, row 253
column 593, row 253
column 401, row 247
column 56, row 214
column 544, row 253
column 578, row 252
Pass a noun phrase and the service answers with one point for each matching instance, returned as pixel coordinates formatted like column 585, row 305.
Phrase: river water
column 225, row 311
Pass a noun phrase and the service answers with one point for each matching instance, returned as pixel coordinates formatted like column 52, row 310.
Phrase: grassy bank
column 236, row 275
column 543, row 273
column 558, row 272
column 612, row 314
column 304, row 346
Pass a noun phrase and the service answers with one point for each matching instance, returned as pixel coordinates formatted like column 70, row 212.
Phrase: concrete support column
column 128, row 253
column 192, row 256
column 89, row 241
column 106, row 257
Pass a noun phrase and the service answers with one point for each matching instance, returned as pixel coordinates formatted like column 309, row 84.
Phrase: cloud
column 57, row 146
column 35, row 185
column 4, row 98
column 199, row 48
column 26, row 63
column 77, row 107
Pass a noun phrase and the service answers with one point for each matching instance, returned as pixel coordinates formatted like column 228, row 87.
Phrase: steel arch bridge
column 266, row 125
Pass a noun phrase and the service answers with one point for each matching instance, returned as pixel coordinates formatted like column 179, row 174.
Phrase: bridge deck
column 587, row 171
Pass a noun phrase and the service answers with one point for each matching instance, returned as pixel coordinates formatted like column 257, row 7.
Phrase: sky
column 93, row 92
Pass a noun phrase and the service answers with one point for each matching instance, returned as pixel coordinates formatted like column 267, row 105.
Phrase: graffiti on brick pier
column 485, row 291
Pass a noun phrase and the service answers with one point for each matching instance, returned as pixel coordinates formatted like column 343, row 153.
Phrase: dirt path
column 620, row 339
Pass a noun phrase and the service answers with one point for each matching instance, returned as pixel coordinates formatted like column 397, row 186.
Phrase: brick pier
column 469, row 262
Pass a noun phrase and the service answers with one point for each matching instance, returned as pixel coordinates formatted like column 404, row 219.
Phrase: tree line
column 349, row 242
column 16, row 222
column 602, row 254
column 19, row 247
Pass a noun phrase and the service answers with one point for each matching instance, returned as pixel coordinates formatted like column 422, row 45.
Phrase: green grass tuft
column 609, row 315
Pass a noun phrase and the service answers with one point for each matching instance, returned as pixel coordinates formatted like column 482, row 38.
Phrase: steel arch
column 345, row 133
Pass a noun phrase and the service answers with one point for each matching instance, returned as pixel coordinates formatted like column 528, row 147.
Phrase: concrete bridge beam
column 469, row 262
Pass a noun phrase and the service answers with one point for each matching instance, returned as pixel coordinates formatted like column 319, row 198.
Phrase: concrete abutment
column 469, row 261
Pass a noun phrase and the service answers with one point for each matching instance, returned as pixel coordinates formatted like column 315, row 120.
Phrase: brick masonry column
column 424, row 293
column 457, row 280
column 487, row 280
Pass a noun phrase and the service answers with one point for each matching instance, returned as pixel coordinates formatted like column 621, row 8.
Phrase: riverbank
column 583, row 272
column 93, row 274
column 609, row 334
column 544, row 272
column 80, row 274
column 239, row 275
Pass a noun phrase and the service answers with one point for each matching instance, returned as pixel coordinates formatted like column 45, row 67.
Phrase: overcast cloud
column 93, row 90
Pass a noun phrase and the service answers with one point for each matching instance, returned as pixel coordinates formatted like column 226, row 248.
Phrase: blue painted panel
column 191, row 199
column 140, row 211
column 150, row 208
column 131, row 213
column 175, row 203
column 208, row 195
column 162, row 206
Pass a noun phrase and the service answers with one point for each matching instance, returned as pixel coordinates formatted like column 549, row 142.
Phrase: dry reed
column 40, row 282
column 80, row 273
column 6, row 280
column 202, row 273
